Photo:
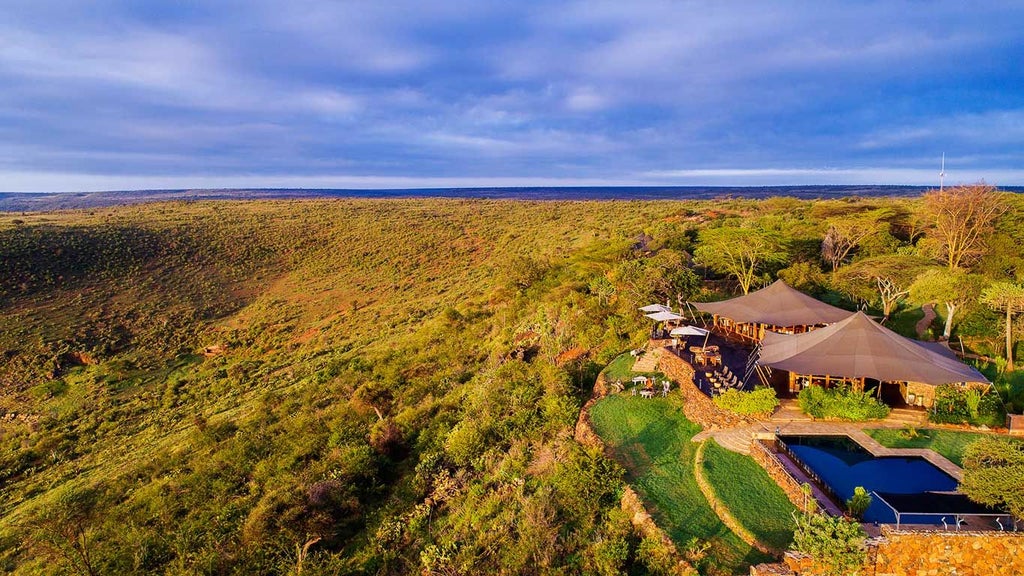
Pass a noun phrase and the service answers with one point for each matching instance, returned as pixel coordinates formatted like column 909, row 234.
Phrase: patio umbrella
column 664, row 316
column 688, row 331
column 655, row 308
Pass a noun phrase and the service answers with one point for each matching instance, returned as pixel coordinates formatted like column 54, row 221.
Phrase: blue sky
column 119, row 95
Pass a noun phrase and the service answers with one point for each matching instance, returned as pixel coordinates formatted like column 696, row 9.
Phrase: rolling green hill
column 355, row 386
column 346, row 386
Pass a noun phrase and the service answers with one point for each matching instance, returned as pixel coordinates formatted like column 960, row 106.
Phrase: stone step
column 736, row 440
column 648, row 362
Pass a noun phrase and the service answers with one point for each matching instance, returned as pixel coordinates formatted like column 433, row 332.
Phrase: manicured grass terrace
column 754, row 499
column 949, row 443
column 651, row 439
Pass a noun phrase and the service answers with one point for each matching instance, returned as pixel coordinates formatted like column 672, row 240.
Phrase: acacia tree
column 886, row 277
column 1008, row 297
column 742, row 253
column 662, row 277
column 959, row 218
column 847, row 232
column 994, row 474
column 66, row 529
column 955, row 288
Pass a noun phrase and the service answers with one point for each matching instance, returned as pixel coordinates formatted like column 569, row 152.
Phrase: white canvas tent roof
column 775, row 305
column 655, row 308
column 858, row 347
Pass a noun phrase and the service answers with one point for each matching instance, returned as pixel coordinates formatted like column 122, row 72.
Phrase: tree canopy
column 994, row 474
column 742, row 252
column 954, row 288
column 959, row 218
column 1009, row 298
column 885, row 279
column 847, row 232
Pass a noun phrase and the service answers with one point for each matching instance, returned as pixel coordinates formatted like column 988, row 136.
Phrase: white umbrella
column 688, row 331
column 664, row 316
column 655, row 308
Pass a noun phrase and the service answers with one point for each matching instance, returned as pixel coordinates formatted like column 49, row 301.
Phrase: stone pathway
column 648, row 362
column 924, row 323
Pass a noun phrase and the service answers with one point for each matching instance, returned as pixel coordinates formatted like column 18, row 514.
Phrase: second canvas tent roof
column 858, row 347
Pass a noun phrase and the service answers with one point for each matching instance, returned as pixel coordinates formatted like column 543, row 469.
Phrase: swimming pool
column 842, row 465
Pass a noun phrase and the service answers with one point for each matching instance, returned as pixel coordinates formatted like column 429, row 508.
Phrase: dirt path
column 922, row 325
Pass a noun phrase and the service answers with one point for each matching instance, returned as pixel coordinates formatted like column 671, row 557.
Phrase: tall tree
column 955, row 288
column 887, row 278
column 846, row 232
column 741, row 252
column 994, row 474
column 1007, row 297
column 959, row 218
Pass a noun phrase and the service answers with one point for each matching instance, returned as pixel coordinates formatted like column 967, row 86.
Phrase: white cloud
column 798, row 176
column 963, row 131
column 587, row 99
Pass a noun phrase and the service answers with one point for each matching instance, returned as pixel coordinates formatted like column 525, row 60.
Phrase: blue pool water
column 843, row 465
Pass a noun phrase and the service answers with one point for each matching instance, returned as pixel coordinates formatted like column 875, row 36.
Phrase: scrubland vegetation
column 384, row 387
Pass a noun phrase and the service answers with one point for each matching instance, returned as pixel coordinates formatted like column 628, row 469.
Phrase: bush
column 858, row 504
column 835, row 544
column 760, row 401
column 994, row 474
column 957, row 405
column 841, row 403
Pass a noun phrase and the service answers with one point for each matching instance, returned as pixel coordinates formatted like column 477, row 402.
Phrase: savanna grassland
column 361, row 386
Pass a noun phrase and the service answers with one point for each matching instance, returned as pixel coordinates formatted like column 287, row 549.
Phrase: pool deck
column 788, row 420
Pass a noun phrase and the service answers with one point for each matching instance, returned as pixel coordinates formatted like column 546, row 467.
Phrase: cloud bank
column 354, row 94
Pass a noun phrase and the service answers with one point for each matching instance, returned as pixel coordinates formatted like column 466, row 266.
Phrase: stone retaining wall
column 764, row 456
column 962, row 553
column 925, row 553
column 1015, row 424
column 633, row 505
column 698, row 407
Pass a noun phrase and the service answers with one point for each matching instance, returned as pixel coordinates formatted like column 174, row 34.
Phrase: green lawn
column 754, row 499
column 619, row 369
column 651, row 439
column 949, row 443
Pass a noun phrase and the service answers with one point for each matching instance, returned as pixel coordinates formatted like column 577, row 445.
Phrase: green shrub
column 835, row 544
column 858, row 504
column 841, row 403
column 957, row 405
column 760, row 401
column 994, row 474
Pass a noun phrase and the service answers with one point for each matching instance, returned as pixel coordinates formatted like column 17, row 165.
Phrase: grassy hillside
column 349, row 386
column 356, row 389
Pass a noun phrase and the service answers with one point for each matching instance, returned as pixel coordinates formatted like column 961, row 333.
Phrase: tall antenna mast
column 942, row 173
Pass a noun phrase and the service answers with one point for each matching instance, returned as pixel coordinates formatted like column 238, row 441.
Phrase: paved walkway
column 648, row 361
column 924, row 323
